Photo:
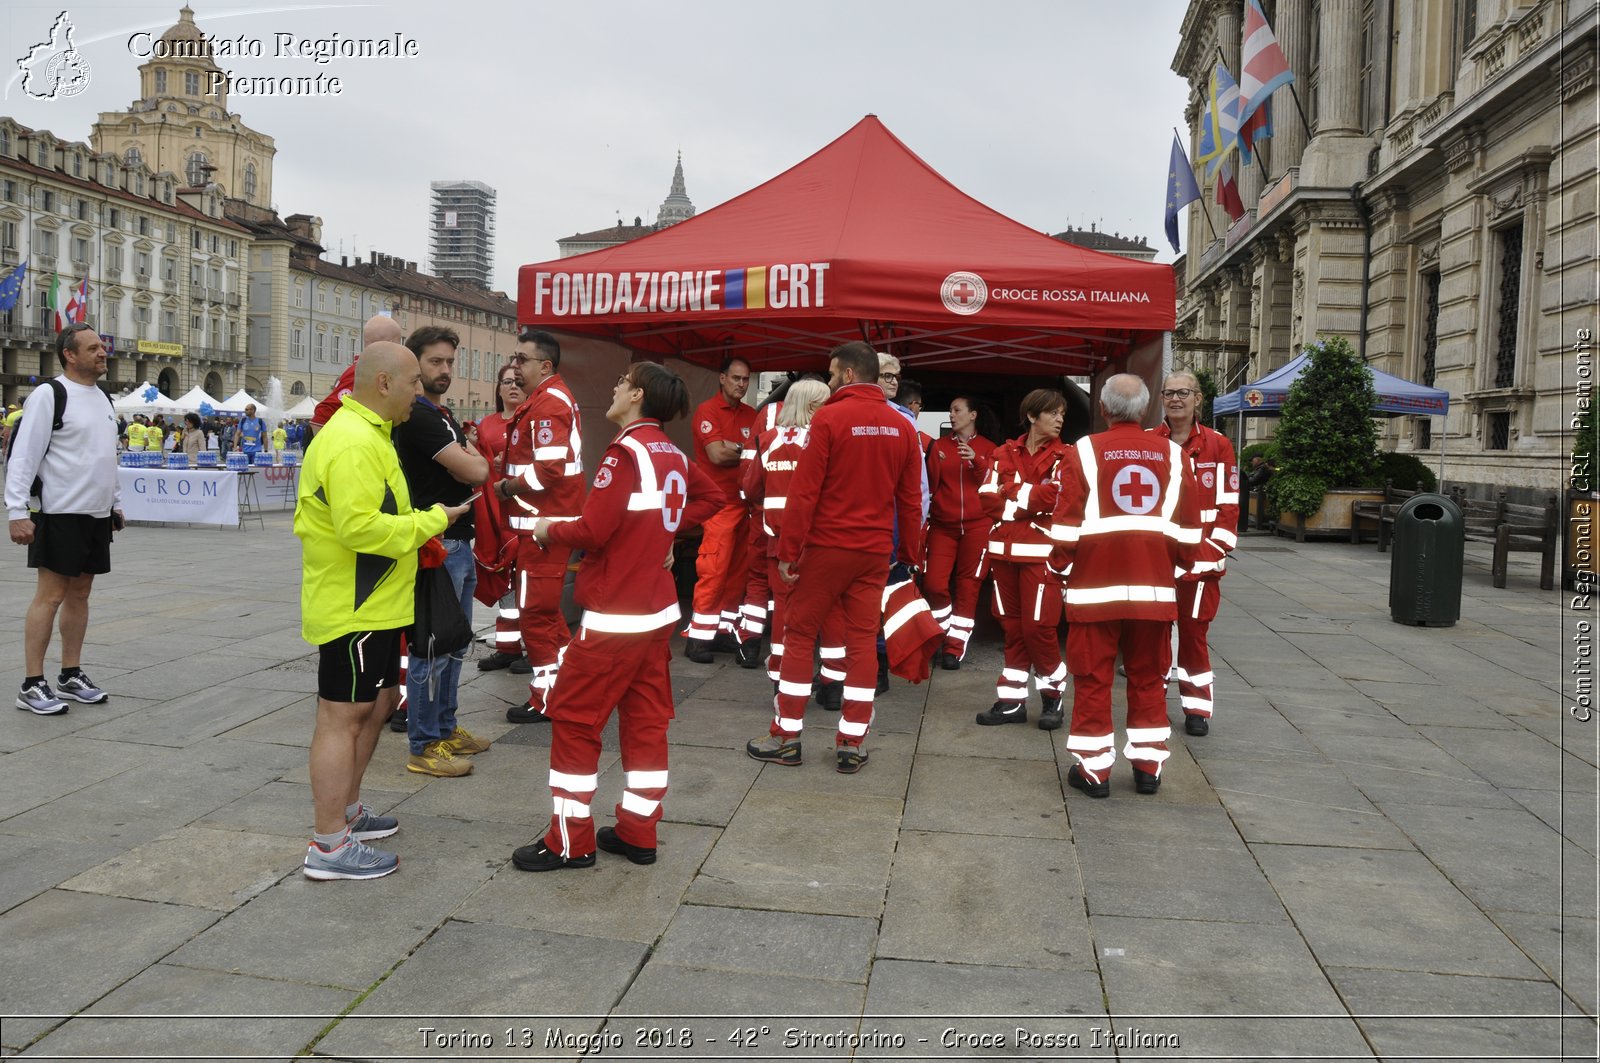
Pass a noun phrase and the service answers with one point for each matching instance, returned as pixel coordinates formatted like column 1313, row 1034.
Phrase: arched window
column 297, row 388
column 132, row 157
column 195, row 171
column 249, row 181
column 161, row 81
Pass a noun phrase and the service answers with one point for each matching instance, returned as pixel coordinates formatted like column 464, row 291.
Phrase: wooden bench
column 1380, row 513
column 1512, row 527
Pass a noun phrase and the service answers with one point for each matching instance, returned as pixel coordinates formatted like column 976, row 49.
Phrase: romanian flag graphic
column 745, row 289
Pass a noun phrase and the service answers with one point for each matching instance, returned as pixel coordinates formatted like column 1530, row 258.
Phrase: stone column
column 1337, row 155
column 1289, row 133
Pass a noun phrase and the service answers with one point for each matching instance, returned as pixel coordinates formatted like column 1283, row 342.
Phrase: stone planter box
column 1332, row 520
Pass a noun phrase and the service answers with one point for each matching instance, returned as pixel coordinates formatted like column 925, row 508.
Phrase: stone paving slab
column 55, row 950
column 265, row 1012
column 30, row 866
column 1408, row 770
column 890, row 759
column 1274, row 801
column 200, row 868
column 284, row 810
column 829, row 947
column 1386, row 909
column 46, row 772
column 443, row 984
column 985, row 795
column 186, row 720
column 963, row 898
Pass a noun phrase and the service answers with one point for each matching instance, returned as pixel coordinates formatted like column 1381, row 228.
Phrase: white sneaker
column 40, row 700
column 80, row 688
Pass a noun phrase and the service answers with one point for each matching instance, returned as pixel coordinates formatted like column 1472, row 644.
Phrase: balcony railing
column 26, row 335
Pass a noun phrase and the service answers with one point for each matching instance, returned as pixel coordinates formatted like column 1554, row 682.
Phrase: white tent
column 301, row 410
column 146, row 399
column 236, row 403
column 191, row 400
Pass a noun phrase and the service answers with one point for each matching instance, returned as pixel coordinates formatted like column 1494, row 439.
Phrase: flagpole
column 1203, row 212
column 1304, row 121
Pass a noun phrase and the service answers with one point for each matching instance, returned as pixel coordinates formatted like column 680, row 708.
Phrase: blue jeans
column 430, row 718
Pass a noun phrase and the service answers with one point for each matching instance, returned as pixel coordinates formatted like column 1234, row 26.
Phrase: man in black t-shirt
column 440, row 467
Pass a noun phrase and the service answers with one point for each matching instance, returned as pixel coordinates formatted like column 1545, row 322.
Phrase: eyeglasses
column 626, row 381
column 888, row 376
column 511, row 382
column 1178, row 393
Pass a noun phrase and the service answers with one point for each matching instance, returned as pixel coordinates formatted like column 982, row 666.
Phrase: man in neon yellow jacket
column 360, row 538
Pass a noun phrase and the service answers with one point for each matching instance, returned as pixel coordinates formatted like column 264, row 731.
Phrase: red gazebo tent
column 863, row 240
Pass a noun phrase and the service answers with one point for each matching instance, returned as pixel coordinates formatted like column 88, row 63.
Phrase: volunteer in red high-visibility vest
column 766, row 485
column 861, row 470
column 958, row 528
column 1126, row 520
column 1020, row 494
column 1216, row 473
column 543, row 478
column 495, row 540
column 723, row 427
column 645, row 492
column 379, row 328
column 758, row 591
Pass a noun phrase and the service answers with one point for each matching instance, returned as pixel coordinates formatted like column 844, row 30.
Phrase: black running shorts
column 354, row 667
column 71, row 544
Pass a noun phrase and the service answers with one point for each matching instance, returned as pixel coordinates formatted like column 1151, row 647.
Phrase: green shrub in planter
column 1405, row 471
column 1266, row 451
column 1326, row 438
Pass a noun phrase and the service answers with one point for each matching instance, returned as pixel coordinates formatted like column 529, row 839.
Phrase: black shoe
column 520, row 666
column 497, row 660
column 397, row 721
column 850, row 759
column 830, row 696
column 724, row 643
column 750, row 653
column 526, row 713
column 1051, row 716
column 883, row 675
column 950, row 662
column 1145, row 783
column 607, row 839
column 1197, row 725
column 1076, row 780
column 539, row 857
column 1004, row 712
column 698, row 650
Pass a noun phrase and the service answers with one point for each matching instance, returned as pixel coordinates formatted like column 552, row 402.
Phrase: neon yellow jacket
column 358, row 532
column 135, row 435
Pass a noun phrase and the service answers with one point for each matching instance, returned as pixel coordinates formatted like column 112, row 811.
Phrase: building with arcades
column 1437, row 207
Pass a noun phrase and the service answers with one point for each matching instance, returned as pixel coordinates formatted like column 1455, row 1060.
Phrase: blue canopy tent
column 1395, row 397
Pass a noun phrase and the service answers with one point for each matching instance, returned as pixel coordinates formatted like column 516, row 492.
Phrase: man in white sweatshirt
column 72, row 471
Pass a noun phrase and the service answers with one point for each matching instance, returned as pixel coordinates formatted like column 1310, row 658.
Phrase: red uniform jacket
column 545, row 448
column 1126, row 523
column 490, row 535
column 330, row 405
column 766, row 421
column 715, row 419
column 644, row 492
column 1019, row 495
column 861, row 467
column 766, row 481
column 953, row 483
column 1216, row 473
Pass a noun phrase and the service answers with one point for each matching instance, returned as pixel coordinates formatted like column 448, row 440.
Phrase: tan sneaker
column 463, row 743
column 436, row 759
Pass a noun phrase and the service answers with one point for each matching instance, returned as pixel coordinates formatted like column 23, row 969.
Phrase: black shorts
column 70, row 544
column 354, row 667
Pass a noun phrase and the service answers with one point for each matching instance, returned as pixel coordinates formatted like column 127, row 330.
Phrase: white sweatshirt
column 77, row 465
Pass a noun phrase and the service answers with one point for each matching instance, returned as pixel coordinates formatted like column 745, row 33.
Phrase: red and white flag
column 1228, row 192
column 1263, row 68
column 78, row 305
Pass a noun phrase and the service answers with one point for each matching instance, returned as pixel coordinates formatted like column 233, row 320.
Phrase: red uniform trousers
column 508, row 620
column 720, row 571
column 831, row 638
column 601, row 672
column 1027, row 602
column 849, row 583
column 954, row 575
column 540, row 576
column 1197, row 607
column 1092, row 654
column 757, row 588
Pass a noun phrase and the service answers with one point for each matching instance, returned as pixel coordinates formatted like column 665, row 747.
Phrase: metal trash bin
column 1425, row 568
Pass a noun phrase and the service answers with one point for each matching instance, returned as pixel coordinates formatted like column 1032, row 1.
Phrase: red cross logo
column 965, row 292
column 1134, row 490
column 675, row 496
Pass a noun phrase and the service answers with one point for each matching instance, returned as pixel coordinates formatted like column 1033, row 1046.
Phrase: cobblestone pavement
column 1385, row 848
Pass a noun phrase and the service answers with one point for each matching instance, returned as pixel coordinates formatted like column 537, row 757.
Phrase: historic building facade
column 675, row 208
column 1441, row 215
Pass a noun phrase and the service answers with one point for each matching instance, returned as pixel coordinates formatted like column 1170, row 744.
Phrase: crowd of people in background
column 837, row 542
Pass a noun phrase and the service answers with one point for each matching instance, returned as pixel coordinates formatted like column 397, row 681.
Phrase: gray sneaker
column 367, row 826
column 79, row 688
column 775, row 749
column 40, row 700
column 353, row 859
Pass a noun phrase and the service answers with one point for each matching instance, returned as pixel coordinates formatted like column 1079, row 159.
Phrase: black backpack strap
column 61, row 403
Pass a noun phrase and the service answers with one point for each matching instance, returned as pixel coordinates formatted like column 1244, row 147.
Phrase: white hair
column 1125, row 397
column 888, row 363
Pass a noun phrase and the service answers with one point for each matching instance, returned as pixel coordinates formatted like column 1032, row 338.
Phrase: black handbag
column 440, row 628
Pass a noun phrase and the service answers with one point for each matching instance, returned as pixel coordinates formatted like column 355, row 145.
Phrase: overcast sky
column 1056, row 113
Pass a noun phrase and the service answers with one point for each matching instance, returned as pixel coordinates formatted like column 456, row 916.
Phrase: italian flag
column 55, row 302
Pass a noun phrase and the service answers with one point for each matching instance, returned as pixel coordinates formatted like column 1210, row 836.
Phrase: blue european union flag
column 1181, row 189
column 11, row 287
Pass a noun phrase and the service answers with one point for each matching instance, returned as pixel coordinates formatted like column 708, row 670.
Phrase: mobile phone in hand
column 471, row 498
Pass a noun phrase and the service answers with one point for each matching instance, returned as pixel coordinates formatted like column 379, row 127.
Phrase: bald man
column 360, row 539
column 380, row 328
